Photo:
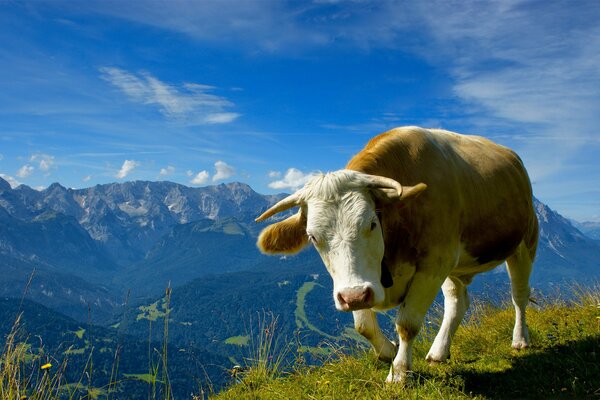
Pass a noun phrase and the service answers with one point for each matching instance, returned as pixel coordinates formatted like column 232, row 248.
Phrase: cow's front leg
column 456, row 303
column 365, row 322
column 411, row 313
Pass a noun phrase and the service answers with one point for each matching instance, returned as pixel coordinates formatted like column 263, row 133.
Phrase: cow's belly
column 468, row 265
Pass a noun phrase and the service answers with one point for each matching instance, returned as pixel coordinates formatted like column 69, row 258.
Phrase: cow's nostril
column 356, row 298
column 368, row 296
column 341, row 299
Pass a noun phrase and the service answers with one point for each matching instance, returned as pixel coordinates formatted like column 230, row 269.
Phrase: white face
column 348, row 237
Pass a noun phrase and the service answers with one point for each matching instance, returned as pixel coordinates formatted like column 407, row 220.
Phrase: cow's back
column 478, row 196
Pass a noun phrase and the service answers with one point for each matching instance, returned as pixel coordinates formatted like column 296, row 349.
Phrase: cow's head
column 338, row 216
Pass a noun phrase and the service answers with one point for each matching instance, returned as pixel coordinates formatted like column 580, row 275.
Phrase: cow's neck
column 386, row 276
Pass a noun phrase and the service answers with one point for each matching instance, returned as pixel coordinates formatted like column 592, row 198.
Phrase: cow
column 415, row 210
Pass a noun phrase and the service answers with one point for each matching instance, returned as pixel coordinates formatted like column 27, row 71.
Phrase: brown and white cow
column 415, row 210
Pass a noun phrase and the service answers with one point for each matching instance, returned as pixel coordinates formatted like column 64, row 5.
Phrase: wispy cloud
column 293, row 179
column 530, row 69
column 45, row 161
column 223, row 171
column 190, row 102
column 127, row 167
column 25, row 171
column 170, row 170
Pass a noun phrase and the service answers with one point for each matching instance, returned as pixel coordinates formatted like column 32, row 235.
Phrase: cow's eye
column 373, row 225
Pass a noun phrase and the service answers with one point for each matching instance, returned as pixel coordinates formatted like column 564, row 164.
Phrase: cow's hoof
column 520, row 345
column 434, row 359
column 437, row 357
column 403, row 378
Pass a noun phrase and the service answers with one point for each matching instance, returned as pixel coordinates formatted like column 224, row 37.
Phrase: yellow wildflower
column 46, row 366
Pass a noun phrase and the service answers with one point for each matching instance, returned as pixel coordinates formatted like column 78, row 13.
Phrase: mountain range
column 104, row 256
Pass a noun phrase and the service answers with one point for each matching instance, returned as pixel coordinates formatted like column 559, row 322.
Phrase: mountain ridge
column 144, row 235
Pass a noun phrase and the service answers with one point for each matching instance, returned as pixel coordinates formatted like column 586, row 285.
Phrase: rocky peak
column 4, row 185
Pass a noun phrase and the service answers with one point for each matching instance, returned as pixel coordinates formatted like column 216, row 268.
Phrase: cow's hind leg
column 519, row 270
column 456, row 303
column 365, row 322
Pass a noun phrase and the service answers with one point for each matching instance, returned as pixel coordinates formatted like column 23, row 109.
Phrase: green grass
column 79, row 333
column 238, row 340
column 300, row 313
column 151, row 312
column 148, row 378
column 562, row 362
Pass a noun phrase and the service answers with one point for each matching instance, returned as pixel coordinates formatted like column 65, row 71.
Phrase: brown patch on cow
column 478, row 195
column 495, row 249
column 285, row 237
column 407, row 332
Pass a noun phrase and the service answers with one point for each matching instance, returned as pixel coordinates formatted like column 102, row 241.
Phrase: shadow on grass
column 565, row 371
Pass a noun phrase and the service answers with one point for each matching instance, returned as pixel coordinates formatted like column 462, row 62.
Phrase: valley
column 99, row 261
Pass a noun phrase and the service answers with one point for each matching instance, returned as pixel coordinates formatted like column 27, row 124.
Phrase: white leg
column 365, row 322
column 411, row 313
column 456, row 303
column 519, row 270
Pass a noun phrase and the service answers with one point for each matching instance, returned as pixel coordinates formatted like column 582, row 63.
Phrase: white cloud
column 25, row 171
column 220, row 118
column 169, row 170
column 525, row 72
column 11, row 181
column 223, row 171
column 127, row 167
column 45, row 161
column 192, row 103
column 189, row 172
column 1, row 157
column 87, row 178
column 274, row 174
column 293, row 179
column 200, row 178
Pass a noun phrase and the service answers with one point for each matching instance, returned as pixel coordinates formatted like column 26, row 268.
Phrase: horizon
column 268, row 92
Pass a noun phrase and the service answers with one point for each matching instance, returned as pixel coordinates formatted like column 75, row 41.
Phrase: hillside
column 104, row 359
column 563, row 362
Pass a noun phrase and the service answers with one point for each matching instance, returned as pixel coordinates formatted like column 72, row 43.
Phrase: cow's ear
column 388, row 195
column 285, row 237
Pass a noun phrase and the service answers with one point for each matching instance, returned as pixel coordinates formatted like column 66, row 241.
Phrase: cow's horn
column 390, row 186
column 285, row 204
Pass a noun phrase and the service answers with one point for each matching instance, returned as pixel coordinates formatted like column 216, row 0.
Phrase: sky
column 269, row 92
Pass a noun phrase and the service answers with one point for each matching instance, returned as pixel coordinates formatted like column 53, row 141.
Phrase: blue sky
column 266, row 92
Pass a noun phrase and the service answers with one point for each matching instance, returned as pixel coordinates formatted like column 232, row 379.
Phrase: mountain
column 564, row 252
column 590, row 228
column 119, row 237
column 143, row 236
column 193, row 250
column 129, row 218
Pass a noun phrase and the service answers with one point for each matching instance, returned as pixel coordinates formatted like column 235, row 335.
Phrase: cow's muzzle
column 355, row 298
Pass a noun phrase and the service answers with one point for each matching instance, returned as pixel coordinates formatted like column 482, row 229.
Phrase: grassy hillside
column 563, row 362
